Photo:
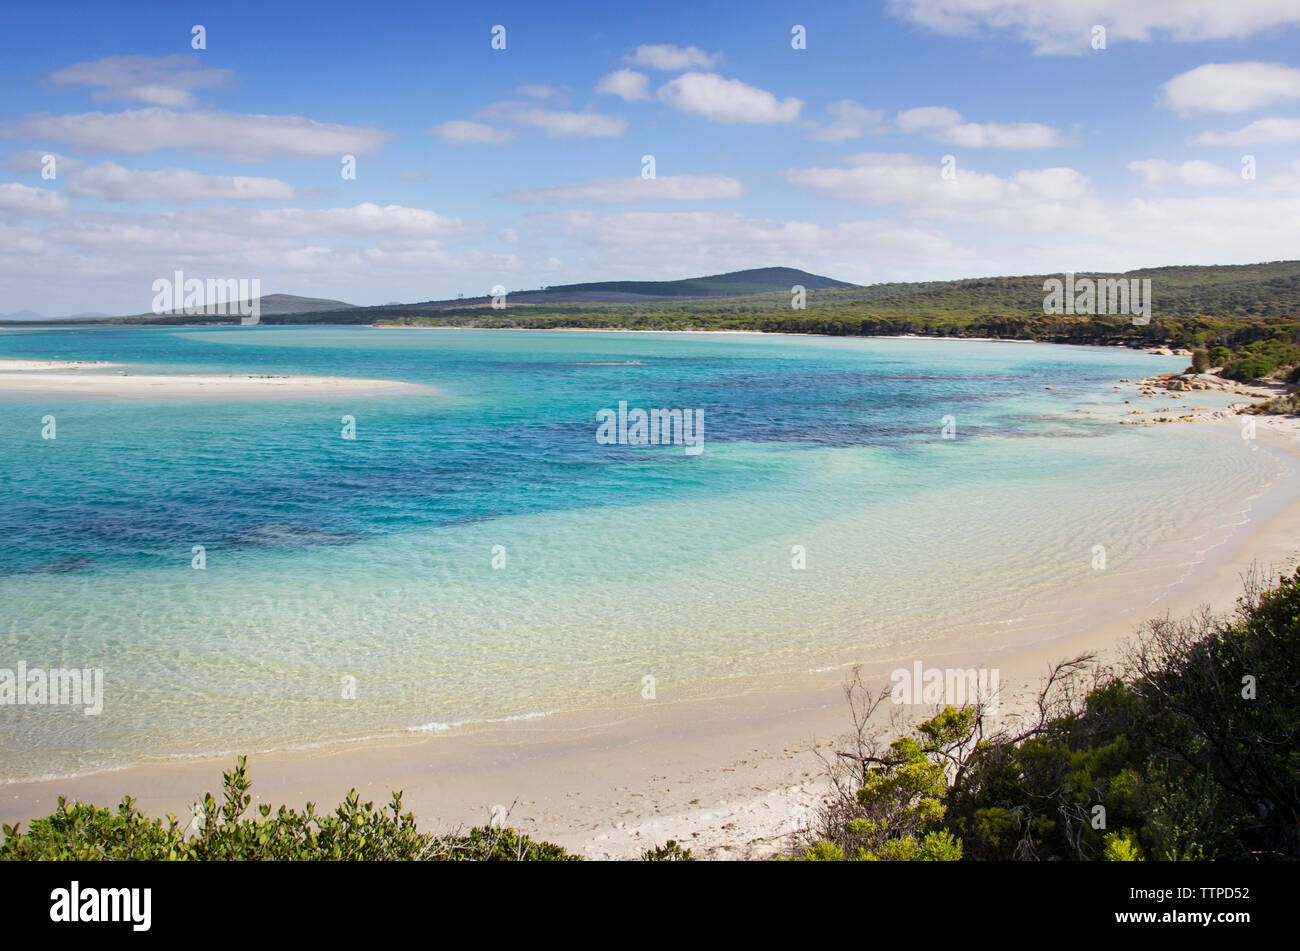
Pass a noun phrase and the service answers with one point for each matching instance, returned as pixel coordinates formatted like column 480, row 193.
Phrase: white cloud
column 159, row 80
column 22, row 201
column 1200, row 230
column 464, row 132
column 945, row 125
column 536, row 91
column 556, row 123
column 668, row 245
column 32, row 161
column 359, row 253
column 727, row 100
column 1259, row 132
column 848, row 121
column 1036, row 198
column 236, row 137
column 1159, row 172
column 1288, row 179
column 1064, row 26
column 559, row 124
column 1231, row 87
column 627, row 84
column 670, row 58
column 111, row 182
column 368, row 220
column 1206, row 175
column 668, row 187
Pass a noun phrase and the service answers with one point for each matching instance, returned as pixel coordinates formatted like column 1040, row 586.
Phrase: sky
column 534, row 144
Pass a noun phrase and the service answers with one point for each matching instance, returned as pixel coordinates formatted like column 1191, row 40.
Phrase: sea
column 255, row 574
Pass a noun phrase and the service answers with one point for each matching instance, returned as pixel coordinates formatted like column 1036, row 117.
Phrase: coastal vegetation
column 1188, row 750
column 354, row 831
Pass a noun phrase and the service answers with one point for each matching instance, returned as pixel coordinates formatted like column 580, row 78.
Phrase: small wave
column 435, row 727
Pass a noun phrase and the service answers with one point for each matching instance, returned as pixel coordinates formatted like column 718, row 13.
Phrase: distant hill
column 763, row 280
column 271, row 305
column 275, row 304
column 767, row 280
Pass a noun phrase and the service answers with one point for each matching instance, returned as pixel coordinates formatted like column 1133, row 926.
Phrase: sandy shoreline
column 1165, row 351
column 51, row 376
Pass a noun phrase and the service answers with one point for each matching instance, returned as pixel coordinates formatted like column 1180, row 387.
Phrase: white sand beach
column 107, row 379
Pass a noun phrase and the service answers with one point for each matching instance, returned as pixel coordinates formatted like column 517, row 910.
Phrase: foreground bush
column 1190, row 752
column 355, row 831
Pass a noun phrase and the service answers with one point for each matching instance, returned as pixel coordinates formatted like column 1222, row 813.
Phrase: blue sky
column 523, row 166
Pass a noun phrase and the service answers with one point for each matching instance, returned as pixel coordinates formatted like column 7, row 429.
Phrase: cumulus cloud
column 1160, row 172
column 366, row 220
column 848, row 120
column 668, row 187
column 727, row 100
column 1231, row 87
column 1064, row 26
column 366, row 251
column 158, row 80
column 21, row 201
column 670, row 58
column 556, row 123
column 1259, row 132
column 464, row 132
column 667, row 245
column 627, row 84
column 946, row 126
column 1279, row 179
column 1235, row 229
column 111, row 182
column 570, row 125
column 235, row 137
column 32, row 161
column 1035, row 198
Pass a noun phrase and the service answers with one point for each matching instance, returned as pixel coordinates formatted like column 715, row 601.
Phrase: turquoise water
column 373, row 558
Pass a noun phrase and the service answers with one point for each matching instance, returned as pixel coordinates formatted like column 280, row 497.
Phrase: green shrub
column 354, row 831
column 1190, row 752
column 824, row 852
column 1120, row 847
column 670, row 851
column 1246, row 369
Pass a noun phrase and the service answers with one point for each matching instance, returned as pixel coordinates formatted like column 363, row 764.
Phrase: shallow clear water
column 373, row 558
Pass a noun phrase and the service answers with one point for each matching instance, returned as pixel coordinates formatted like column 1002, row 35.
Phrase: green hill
column 763, row 280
